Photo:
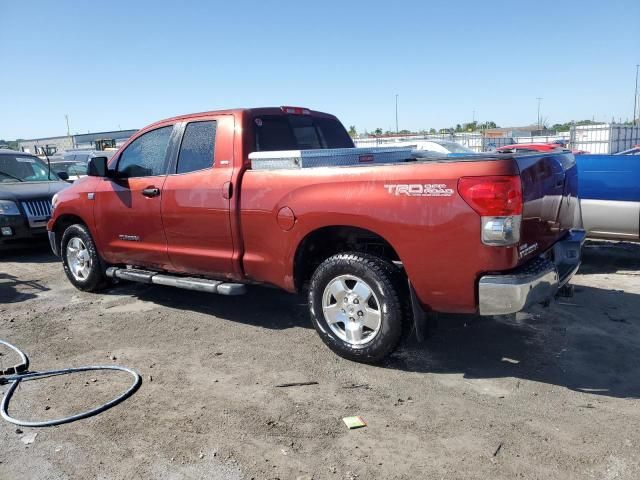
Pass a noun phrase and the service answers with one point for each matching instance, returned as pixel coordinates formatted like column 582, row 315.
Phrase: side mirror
column 98, row 167
column 63, row 176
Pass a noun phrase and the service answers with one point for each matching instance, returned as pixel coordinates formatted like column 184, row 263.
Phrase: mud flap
column 420, row 317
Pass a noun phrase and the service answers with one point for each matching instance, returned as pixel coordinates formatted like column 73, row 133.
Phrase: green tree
column 487, row 125
column 470, row 127
column 565, row 127
column 353, row 133
column 377, row 131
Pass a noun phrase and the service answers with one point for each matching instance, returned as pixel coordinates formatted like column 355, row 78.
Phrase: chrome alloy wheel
column 352, row 310
column 78, row 259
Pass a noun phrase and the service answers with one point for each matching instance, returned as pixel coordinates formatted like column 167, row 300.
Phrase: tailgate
column 550, row 194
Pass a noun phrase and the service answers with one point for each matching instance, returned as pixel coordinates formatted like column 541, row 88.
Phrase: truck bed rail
column 329, row 157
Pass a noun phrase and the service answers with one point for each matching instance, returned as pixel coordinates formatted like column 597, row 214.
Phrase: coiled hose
column 19, row 373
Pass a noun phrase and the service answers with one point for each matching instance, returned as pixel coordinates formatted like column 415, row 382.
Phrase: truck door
column 196, row 197
column 127, row 206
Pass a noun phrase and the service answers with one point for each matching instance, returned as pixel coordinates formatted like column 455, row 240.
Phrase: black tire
column 385, row 282
column 96, row 279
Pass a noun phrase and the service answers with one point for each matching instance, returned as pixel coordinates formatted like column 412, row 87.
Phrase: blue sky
column 126, row 64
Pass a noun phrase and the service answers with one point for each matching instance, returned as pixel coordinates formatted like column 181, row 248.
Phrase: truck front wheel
column 80, row 259
column 356, row 306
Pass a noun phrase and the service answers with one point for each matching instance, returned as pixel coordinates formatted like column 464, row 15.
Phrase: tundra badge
column 129, row 238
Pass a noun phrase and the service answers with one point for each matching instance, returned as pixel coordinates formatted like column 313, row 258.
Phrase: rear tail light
column 495, row 196
column 498, row 201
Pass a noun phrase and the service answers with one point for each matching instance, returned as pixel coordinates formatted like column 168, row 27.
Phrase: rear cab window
column 298, row 132
column 197, row 149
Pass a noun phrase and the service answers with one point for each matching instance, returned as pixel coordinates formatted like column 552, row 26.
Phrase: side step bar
column 188, row 283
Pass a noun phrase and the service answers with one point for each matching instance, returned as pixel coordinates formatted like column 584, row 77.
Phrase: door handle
column 151, row 192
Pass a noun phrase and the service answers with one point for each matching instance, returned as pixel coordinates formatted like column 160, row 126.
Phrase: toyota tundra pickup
column 378, row 237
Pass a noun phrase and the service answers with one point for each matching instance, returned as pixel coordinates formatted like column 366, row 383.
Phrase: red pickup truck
column 279, row 196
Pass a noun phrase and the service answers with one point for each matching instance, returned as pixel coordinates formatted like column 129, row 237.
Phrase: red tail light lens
column 497, row 196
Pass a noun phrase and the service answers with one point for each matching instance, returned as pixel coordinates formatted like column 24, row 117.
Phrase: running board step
column 188, row 283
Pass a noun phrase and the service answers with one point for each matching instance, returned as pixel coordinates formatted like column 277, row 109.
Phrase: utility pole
column 635, row 99
column 73, row 143
column 397, row 131
column 539, row 100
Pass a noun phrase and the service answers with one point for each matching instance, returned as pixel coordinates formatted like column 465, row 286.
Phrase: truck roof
column 237, row 111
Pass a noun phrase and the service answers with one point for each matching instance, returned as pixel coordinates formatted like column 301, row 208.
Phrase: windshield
column 22, row 168
column 299, row 132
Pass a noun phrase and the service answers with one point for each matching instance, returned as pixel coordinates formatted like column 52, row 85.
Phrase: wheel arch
column 62, row 223
column 323, row 242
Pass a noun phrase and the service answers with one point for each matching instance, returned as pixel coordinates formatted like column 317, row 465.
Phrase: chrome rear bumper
column 534, row 282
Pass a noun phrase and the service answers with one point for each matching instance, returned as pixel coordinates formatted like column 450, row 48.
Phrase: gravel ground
column 550, row 394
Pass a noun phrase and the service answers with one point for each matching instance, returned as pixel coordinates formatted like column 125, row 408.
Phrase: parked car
column 609, row 191
column 279, row 196
column 82, row 155
column 434, row 148
column 73, row 169
column 635, row 150
column 26, row 189
column 538, row 147
column 75, row 162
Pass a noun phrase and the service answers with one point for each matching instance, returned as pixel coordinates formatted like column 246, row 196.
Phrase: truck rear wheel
column 80, row 259
column 356, row 306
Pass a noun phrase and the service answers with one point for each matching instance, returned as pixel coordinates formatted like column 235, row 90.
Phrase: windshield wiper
column 10, row 176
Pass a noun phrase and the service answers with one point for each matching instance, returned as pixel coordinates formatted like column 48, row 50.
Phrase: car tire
column 356, row 306
column 80, row 259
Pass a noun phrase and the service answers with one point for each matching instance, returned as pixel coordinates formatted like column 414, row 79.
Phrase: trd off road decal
column 420, row 190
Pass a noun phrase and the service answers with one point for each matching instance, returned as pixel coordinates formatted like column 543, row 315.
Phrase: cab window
column 146, row 156
column 197, row 150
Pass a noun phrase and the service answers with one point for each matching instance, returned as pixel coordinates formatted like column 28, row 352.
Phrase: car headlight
column 54, row 202
column 8, row 207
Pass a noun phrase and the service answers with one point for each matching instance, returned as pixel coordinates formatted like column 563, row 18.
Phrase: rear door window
column 146, row 156
column 197, row 150
column 299, row 132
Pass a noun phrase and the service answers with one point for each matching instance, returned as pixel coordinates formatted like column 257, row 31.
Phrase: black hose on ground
column 19, row 373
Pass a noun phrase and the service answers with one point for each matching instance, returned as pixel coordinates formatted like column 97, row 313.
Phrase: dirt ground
column 551, row 394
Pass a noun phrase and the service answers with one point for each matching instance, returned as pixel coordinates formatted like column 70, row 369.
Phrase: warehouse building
column 93, row 141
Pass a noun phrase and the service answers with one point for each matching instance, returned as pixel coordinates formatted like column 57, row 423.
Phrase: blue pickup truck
column 609, row 189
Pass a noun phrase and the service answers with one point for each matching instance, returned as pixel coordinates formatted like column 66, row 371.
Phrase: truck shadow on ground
column 37, row 252
column 13, row 289
column 260, row 306
column 590, row 343
column 610, row 257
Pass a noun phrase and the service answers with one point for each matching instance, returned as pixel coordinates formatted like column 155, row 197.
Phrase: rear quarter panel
column 436, row 237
